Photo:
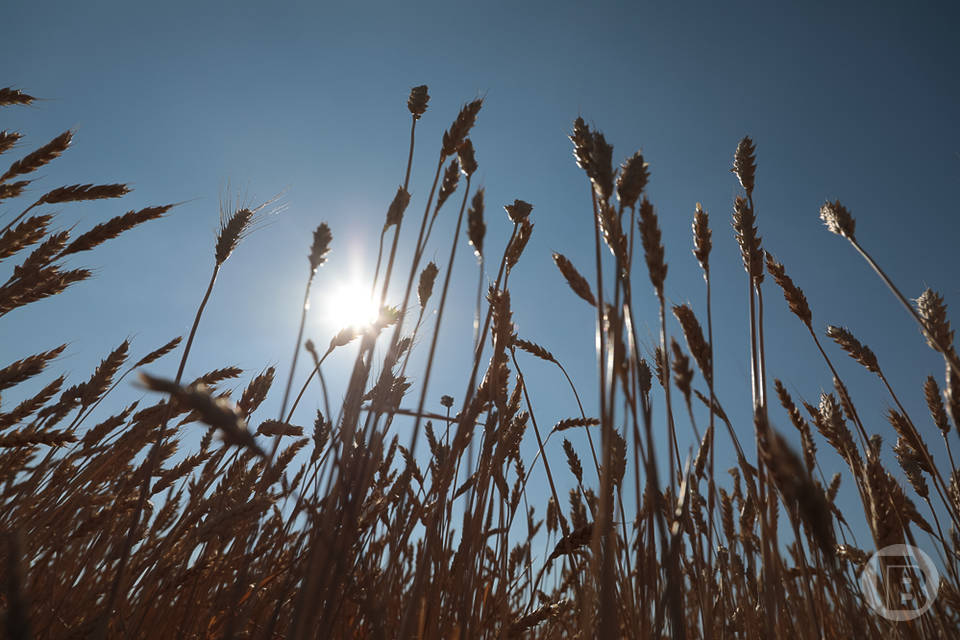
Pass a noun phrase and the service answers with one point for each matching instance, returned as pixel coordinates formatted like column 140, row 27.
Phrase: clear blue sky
column 844, row 100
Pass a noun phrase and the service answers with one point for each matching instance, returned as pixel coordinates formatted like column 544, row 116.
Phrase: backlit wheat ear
column 831, row 425
column 8, row 139
column 518, row 211
column 468, row 158
column 544, row 612
column 693, row 334
column 809, row 446
column 114, row 227
column 155, row 355
column 582, row 139
column 793, row 294
column 576, row 281
column 519, row 243
column 911, row 438
column 396, row 209
column 102, row 376
column 427, row 278
column 912, row 464
column 32, row 436
column 9, row 96
column 26, row 233
column 600, row 167
column 48, row 282
column 82, row 192
column 859, row 352
column 931, row 393
column 216, row 412
column 476, row 227
column 26, row 368
column 26, row 408
column 632, row 180
column 652, row 246
column 612, row 231
column 417, row 102
column 458, row 131
column 702, row 242
column 42, row 255
column 570, row 423
column 798, row 489
column 212, row 378
column 40, row 157
column 234, row 227
column 745, row 226
column 838, row 219
column 933, row 311
column 273, row 428
column 343, row 337
column 700, row 462
column 682, row 373
column 745, row 164
column 451, row 177
column 658, row 366
column 533, row 349
column 255, row 393
column 574, row 540
column 320, row 247
column 12, row 190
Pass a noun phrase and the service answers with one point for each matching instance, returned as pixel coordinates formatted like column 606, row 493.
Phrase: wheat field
column 385, row 518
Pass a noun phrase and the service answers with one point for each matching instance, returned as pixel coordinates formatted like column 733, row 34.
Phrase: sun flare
column 350, row 305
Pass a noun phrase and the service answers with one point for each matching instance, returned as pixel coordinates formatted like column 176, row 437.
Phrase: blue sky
column 308, row 99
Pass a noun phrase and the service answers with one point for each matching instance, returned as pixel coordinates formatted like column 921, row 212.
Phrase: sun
column 349, row 305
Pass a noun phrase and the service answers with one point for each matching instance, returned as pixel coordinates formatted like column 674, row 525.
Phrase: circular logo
column 900, row 582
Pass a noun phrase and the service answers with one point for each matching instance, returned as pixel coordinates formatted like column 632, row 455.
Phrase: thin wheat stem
column 296, row 350
column 440, row 309
column 476, row 313
column 303, row 389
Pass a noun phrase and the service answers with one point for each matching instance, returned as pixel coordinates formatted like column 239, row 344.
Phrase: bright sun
column 349, row 305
